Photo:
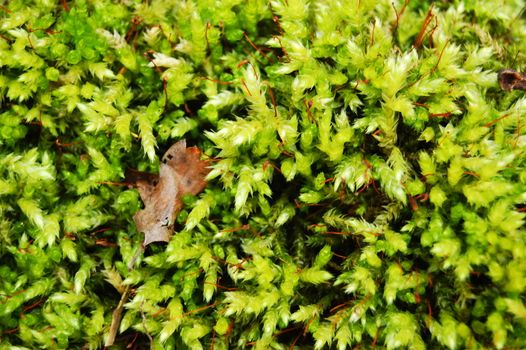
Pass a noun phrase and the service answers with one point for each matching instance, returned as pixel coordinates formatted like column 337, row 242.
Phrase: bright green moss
column 367, row 186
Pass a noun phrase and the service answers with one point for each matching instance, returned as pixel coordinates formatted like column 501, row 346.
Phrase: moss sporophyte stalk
column 365, row 174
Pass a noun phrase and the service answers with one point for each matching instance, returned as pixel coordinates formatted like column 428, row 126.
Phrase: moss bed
column 367, row 184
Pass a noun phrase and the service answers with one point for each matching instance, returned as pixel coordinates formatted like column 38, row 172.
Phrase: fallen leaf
column 181, row 172
column 510, row 79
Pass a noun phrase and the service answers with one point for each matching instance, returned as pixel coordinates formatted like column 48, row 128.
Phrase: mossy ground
column 367, row 187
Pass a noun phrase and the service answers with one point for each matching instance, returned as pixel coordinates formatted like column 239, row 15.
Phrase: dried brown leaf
column 510, row 79
column 181, row 172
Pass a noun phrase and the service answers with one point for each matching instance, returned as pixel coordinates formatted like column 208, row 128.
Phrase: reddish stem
column 10, row 331
column 471, row 173
column 246, row 87
column 423, row 28
column 399, row 14
column 65, row 5
column 440, row 115
column 208, row 26
column 5, row 9
column 218, row 81
column 271, row 93
column 412, row 201
column 198, row 310
column 340, row 256
column 429, row 309
column 497, row 120
column 242, row 63
column 241, row 228
column 257, row 48
column 230, row 289
column 32, row 306
column 420, row 104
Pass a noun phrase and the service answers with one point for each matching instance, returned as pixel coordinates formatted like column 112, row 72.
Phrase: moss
column 367, row 186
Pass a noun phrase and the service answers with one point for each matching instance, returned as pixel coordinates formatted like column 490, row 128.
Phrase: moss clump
column 367, row 188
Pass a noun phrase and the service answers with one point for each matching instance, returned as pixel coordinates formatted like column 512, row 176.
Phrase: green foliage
column 367, row 184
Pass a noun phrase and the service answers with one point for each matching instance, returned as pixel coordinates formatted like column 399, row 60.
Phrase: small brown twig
column 116, row 318
column 144, row 326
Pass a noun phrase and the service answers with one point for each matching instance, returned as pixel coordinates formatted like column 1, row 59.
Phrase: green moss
column 367, row 182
